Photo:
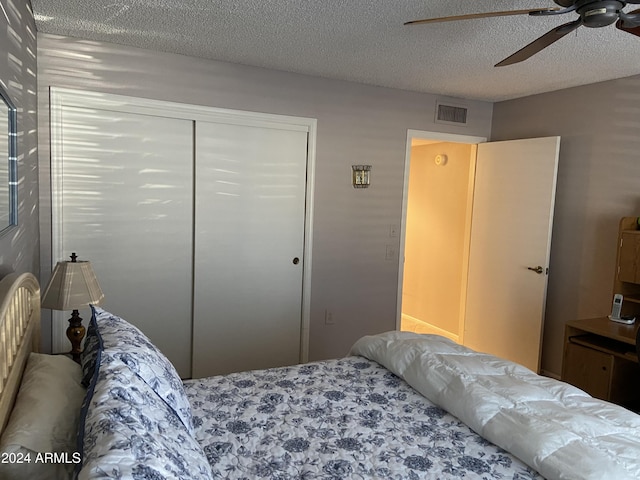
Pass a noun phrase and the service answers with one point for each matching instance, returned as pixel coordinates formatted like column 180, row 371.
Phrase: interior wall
column 436, row 235
column 19, row 246
column 357, row 124
column 598, row 183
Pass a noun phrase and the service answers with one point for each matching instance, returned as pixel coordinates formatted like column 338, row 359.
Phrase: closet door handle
column 537, row 269
column 296, row 260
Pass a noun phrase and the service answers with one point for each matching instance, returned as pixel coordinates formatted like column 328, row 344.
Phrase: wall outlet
column 328, row 317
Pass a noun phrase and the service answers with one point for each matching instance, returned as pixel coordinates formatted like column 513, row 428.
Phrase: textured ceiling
column 361, row 40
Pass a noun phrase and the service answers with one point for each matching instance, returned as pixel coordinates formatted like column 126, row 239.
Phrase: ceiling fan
column 591, row 13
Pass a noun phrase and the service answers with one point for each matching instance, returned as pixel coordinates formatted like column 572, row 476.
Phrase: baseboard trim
column 429, row 328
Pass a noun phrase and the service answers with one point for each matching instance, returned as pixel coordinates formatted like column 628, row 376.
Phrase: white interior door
column 124, row 183
column 511, row 235
column 249, row 245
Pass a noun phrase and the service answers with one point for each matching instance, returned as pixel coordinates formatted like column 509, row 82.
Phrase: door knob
column 296, row 260
column 537, row 269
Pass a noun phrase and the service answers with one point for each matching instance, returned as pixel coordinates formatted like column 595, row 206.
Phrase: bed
column 400, row 406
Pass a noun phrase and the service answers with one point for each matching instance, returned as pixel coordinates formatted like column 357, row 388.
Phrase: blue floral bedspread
column 338, row 419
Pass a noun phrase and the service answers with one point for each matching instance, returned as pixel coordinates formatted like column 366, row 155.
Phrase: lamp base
column 75, row 334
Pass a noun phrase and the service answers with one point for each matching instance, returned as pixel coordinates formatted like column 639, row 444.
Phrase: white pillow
column 44, row 420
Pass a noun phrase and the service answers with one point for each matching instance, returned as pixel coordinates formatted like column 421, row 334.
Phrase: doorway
column 437, row 205
column 493, row 298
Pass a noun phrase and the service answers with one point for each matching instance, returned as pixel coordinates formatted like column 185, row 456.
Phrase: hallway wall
column 437, row 234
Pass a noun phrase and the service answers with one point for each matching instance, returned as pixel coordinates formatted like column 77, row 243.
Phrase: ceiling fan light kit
column 591, row 13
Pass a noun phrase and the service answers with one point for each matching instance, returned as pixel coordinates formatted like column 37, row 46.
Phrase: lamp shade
column 73, row 285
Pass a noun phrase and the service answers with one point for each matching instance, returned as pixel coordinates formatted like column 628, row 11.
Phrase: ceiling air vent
column 451, row 114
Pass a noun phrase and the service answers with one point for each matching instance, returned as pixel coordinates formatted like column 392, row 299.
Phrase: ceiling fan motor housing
column 591, row 13
column 596, row 14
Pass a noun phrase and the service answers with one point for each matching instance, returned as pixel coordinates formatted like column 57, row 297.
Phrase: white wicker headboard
column 19, row 334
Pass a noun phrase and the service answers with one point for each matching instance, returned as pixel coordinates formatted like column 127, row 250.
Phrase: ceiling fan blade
column 630, row 22
column 541, row 43
column 480, row 15
column 632, row 30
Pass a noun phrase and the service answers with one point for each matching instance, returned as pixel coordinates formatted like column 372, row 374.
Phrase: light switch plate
column 391, row 253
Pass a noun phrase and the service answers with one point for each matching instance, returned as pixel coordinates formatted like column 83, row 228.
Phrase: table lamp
column 73, row 285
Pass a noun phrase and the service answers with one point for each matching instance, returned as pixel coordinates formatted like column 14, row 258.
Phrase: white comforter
column 555, row 428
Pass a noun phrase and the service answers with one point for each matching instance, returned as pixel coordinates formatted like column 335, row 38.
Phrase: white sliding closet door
column 249, row 246
column 126, row 205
